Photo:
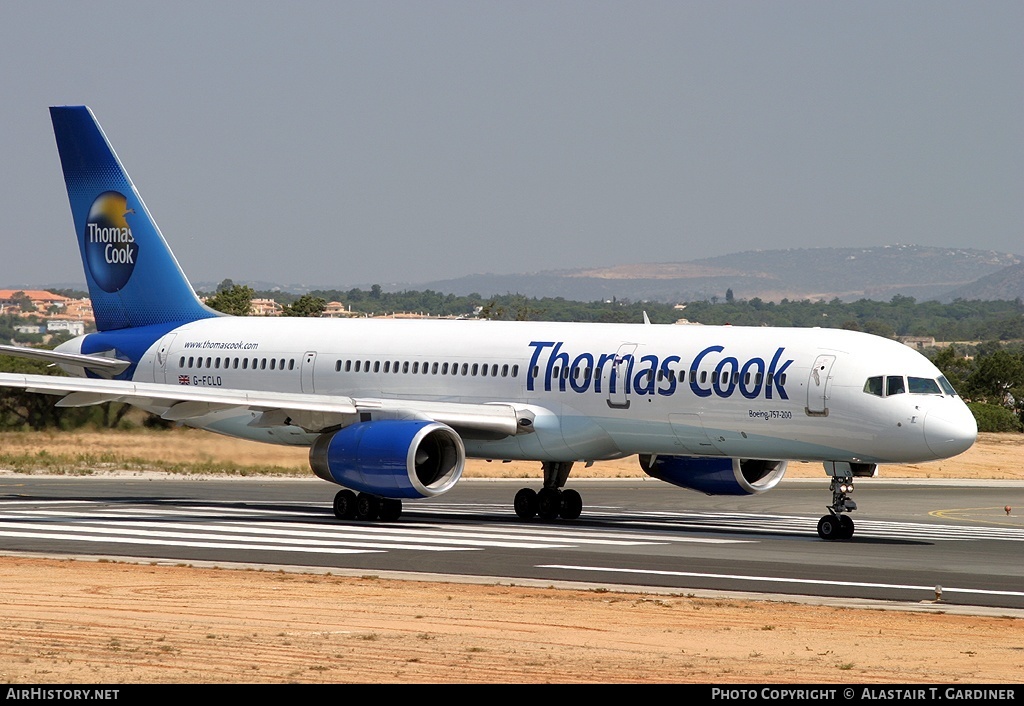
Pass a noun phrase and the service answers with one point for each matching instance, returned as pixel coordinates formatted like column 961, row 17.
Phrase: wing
column 313, row 413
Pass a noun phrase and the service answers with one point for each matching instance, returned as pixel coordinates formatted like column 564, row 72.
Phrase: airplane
column 391, row 409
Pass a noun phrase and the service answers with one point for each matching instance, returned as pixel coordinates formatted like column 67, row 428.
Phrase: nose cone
column 950, row 428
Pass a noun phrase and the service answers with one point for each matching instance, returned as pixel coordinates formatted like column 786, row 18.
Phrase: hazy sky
column 345, row 143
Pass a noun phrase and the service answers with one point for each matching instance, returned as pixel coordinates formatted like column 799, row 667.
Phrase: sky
column 347, row 143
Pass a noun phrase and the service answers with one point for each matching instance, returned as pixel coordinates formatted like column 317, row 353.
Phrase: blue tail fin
column 133, row 277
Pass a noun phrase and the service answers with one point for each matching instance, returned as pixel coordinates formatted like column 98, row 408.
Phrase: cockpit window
column 946, row 387
column 874, row 386
column 894, row 385
column 923, row 386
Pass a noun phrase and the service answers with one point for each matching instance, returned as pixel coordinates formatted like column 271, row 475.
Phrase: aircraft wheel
column 829, row 528
column 572, row 504
column 549, row 502
column 845, row 527
column 345, row 505
column 390, row 509
column 367, row 507
column 525, row 504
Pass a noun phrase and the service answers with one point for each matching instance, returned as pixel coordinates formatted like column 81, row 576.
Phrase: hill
column 1007, row 283
column 798, row 273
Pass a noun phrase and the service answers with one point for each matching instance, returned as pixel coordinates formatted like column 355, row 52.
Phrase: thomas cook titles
column 712, row 372
column 110, row 247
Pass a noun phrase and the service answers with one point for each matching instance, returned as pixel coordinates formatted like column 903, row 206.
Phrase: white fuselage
column 596, row 391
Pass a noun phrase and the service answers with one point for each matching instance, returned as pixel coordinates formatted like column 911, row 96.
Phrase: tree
column 997, row 379
column 306, row 305
column 235, row 300
column 23, row 302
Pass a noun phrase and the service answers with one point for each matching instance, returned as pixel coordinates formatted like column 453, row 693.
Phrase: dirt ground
column 104, row 622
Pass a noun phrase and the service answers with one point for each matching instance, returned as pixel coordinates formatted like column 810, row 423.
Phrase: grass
column 89, row 464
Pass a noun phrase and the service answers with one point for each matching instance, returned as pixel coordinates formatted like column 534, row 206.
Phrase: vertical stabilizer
column 133, row 277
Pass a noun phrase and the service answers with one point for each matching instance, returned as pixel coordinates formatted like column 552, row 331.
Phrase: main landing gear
column 836, row 525
column 364, row 506
column 551, row 502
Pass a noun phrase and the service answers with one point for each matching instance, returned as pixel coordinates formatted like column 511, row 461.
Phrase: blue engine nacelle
column 715, row 475
column 391, row 458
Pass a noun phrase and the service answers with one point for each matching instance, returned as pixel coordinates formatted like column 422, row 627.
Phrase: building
column 41, row 300
column 75, row 328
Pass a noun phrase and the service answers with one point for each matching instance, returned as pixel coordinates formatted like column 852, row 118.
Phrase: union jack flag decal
column 183, row 380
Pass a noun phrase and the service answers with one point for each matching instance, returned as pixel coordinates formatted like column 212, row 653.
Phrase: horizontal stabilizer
column 94, row 363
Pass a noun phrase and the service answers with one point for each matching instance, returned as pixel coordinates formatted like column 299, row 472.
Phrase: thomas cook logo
column 110, row 247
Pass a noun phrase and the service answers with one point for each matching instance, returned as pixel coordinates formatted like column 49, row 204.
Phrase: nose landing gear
column 836, row 525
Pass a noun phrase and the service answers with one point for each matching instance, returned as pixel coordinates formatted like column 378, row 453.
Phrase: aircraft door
column 160, row 366
column 616, row 380
column 308, row 361
column 819, row 385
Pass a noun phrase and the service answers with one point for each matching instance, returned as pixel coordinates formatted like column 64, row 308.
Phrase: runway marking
column 775, row 579
column 260, row 529
column 956, row 513
column 179, row 543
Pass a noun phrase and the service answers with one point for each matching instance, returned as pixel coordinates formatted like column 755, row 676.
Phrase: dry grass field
column 90, row 622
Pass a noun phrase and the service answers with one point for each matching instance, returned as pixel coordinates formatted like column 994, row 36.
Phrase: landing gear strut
column 364, row 506
column 836, row 525
column 551, row 502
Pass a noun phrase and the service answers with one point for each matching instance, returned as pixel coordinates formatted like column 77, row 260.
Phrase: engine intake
column 391, row 458
column 715, row 475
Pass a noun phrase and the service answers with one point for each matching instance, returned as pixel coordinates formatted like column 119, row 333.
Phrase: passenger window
column 515, row 371
column 894, row 385
column 874, row 386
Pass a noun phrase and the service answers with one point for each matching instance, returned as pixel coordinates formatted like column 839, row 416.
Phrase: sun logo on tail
column 110, row 248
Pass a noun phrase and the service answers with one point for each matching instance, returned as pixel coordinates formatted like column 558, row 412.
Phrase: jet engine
column 715, row 475
column 391, row 458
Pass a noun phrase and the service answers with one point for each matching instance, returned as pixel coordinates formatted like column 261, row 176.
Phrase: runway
column 912, row 539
